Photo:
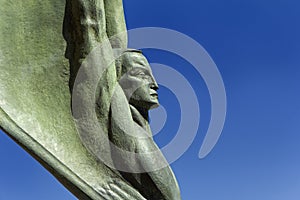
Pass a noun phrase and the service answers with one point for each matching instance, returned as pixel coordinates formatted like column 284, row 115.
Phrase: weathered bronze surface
column 77, row 99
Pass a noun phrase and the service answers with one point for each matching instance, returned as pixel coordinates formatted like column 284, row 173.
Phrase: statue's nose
column 154, row 86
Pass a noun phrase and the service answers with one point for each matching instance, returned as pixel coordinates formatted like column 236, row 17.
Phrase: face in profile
column 138, row 82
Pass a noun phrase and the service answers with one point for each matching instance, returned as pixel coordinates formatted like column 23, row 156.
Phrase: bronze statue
column 126, row 91
column 84, row 118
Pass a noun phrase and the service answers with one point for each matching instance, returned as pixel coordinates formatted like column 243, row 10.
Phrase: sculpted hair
column 122, row 62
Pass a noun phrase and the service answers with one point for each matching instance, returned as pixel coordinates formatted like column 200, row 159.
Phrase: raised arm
column 84, row 28
column 115, row 23
column 88, row 26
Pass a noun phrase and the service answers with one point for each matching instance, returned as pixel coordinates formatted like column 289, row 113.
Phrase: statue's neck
column 144, row 113
column 141, row 117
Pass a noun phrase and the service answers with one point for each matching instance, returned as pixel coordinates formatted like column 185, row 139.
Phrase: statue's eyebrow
column 142, row 68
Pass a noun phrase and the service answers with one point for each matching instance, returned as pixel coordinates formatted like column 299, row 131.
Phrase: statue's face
column 138, row 82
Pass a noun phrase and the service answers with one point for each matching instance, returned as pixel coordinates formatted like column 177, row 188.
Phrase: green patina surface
column 35, row 99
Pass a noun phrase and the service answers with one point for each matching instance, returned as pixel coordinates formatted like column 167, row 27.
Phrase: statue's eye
column 141, row 74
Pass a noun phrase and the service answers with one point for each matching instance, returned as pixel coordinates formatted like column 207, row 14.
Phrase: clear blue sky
column 256, row 46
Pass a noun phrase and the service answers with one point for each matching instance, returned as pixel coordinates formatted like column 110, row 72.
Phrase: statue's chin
column 154, row 105
column 146, row 104
column 150, row 103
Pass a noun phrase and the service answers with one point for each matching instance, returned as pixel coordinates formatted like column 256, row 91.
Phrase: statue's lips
column 154, row 94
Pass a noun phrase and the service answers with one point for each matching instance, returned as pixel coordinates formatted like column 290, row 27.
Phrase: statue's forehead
column 137, row 58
